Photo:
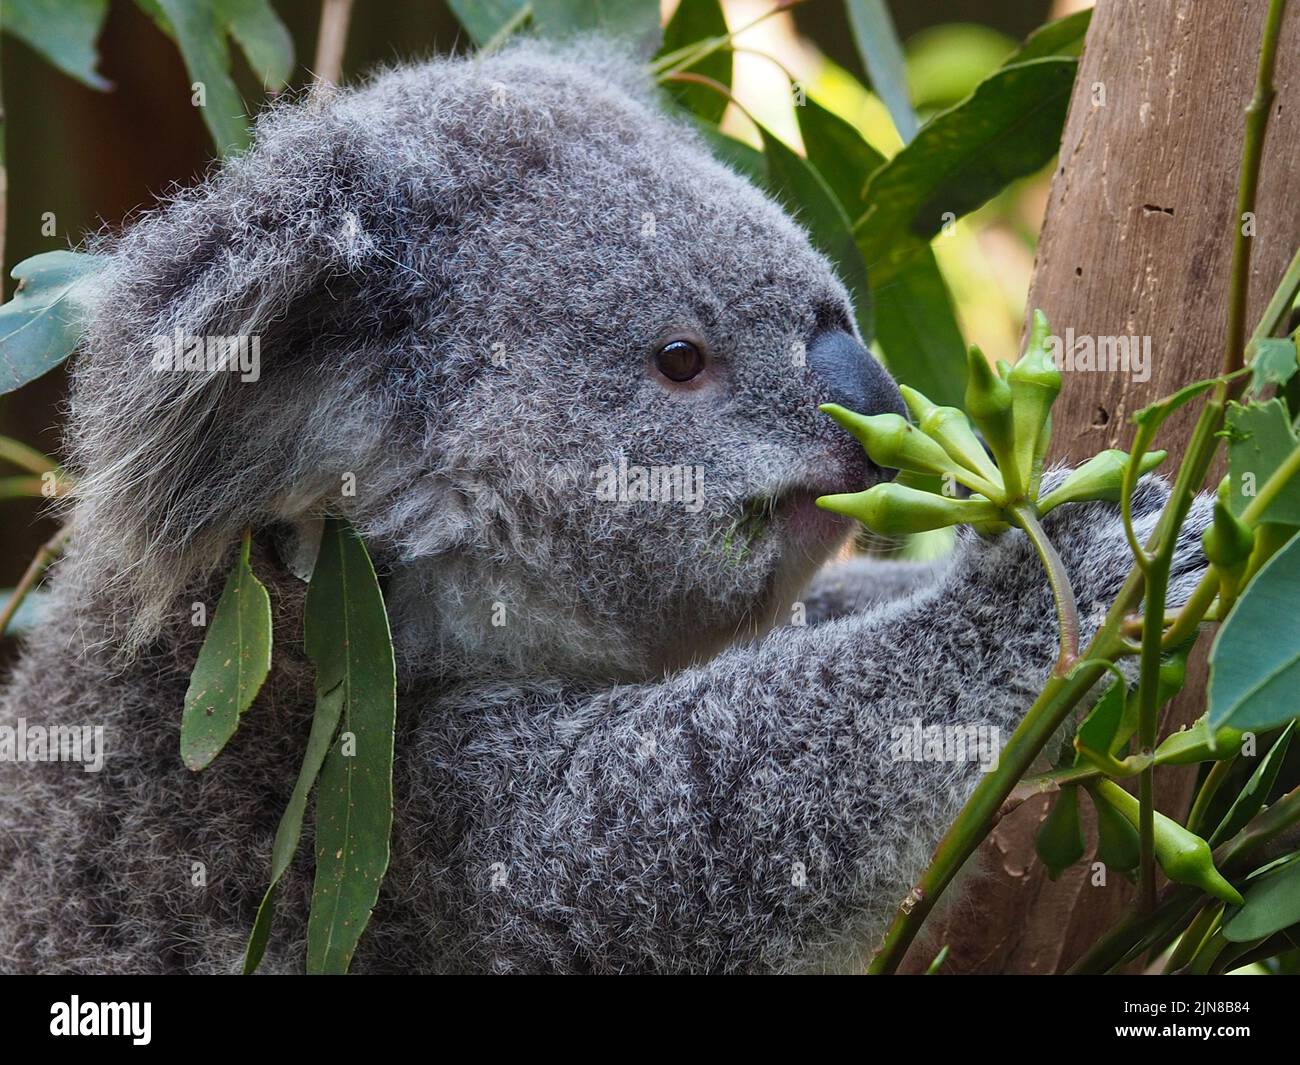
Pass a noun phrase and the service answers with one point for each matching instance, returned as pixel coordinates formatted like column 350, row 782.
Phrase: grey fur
column 632, row 773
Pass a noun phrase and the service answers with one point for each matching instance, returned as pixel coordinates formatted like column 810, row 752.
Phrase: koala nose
column 852, row 377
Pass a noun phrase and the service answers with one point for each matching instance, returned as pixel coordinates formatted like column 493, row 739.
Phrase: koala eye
column 679, row 360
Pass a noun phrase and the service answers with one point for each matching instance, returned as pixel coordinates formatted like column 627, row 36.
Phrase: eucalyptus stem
column 31, row 577
column 332, row 39
column 1257, row 113
column 1205, row 794
column 1067, row 609
column 24, row 457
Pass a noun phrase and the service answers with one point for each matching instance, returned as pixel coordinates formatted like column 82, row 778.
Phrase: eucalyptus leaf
column 484, row 19
column 913, row 315
column 29, row 613
column 698, row 20
column 1118, row 844
column 1250, row 800
column 1260, row 438
column 1059, row 841
column 41, row 325
column 329, row 706
column 1255, row 657
column 796, row 182
column 1275, row 362
column 1272, row 903
column 882, row 58
column 348, row 639
column 1008, row 128
column 1097, row 735
column 231, row 667
column 636, row 20
column 63, row 32
column 200, row 29
column 1060, row 37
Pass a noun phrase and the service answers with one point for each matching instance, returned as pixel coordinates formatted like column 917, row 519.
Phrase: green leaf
column 796, row 182
column 200, row 29
column 1158, row 411
column 348, row 639
column 1118, row 845
column 232, row 664
column 1008, row 128
column 262, row 37
column 1061, row 37
column 915, row 323
column 1272, row 904
column 1250, row 800
column 1059, row 841
column 1260, row 439
column 1255, row 658
column 42, row 323
column 1275, row 361
column 882, row 58
column 29, row 613
column 484, row 19
column 916, row 327
column 324, row 723
column 698, row 20
column 637, row 20
column 839, row 153
column 1097, row 735
column 63, row 31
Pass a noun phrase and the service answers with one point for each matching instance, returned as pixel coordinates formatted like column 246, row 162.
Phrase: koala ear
column 281, row 259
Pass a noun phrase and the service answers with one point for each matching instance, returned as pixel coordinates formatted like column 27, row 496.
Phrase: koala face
column 571, row 363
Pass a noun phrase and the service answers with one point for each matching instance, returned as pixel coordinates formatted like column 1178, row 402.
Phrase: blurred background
column 80, row 159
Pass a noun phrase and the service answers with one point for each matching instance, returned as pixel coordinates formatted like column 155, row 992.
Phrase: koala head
column 559, row 366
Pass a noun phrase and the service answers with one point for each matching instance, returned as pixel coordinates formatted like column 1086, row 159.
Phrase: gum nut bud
column 951, row 430
column 1224, row 492
column 1059, row 841
column 988, row 401
column 1100, row 478
column 1183, row 855
column 1035, row 383
column 892, row 441
column 895, row 510
column 1228, row 541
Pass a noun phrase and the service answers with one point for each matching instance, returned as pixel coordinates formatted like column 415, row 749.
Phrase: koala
column 634, row 734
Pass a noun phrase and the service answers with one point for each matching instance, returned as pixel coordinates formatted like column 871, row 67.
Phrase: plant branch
column 38, row 565
column 1257, row 113
column 1067, row 610
column 24, row 457
column 332, row 39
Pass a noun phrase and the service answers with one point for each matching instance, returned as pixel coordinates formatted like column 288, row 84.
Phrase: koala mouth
column 790, row 512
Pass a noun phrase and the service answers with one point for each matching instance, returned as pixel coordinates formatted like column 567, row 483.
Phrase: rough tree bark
column 1136, row 242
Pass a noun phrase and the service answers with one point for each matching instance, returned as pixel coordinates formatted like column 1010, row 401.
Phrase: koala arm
column 750, row 814
column 848, row 586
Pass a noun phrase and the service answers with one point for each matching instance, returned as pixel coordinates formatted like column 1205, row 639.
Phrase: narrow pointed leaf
column 882, row 58
column 348, row 639
column 698, row 20
column 232, row 664
column 329, row 706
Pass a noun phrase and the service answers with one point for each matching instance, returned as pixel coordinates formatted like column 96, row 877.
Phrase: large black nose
column 851, row 377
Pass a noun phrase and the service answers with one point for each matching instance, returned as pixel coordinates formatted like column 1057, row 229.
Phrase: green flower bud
column 951, row 430
column 1035, row 383
column 988, row 401
column 896, row 510
column 1228, row 541
column 1101, row 477
column 1183, row 855
column 892, row 441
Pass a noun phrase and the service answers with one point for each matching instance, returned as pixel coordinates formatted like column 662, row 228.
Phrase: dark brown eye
column 679, row 360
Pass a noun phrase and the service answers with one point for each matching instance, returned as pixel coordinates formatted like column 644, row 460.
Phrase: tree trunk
column 1136, row 243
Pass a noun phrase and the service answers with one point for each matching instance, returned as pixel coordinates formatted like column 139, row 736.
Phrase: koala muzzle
column 852, row 377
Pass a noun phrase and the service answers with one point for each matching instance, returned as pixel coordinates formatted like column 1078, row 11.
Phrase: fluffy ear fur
column 324, row 249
